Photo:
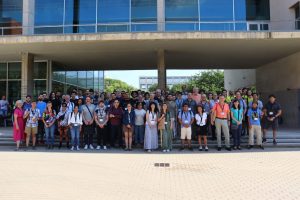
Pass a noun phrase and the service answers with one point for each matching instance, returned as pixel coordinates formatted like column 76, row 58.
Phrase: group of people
column 144, row 120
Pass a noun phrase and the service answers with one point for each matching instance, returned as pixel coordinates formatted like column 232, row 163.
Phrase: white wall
column 282, row 17
column 237, row 78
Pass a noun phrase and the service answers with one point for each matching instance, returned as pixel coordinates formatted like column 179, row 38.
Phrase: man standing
column 41, row 105
column 3, row 109
column 172, row 107
column 272, row 111
column 186, row 119
column 88, row 123
column 221, row 118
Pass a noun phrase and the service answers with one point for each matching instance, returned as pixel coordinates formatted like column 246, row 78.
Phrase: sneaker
column 274, row 142
column 104, row 148
column 206, row 148
column 168, row 150
column 77, row 148
column 33, row 148
column 98, row 148
column 91, row 147
column 72, row 149
column 181, row 149
column 219, row 148
column 264, row 140
column 85, row 147
column 200, row 148
column 149, row 151
column 239, row 148
column 26, row 148
column 250, row 146
column 191, row 149
column 228, row 148
column 164, row 150
column 261, row 147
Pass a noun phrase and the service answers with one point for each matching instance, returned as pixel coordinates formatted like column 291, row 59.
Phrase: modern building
column 146, row 82
column 51, row 45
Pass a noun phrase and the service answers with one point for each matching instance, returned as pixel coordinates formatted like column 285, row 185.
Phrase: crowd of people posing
column 144, row 120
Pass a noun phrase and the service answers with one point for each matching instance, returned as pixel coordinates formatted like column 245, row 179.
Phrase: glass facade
column 66, row 81
column 11, row 17
column 91, row 16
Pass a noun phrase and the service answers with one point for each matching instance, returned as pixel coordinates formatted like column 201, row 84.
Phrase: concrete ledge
column 147, row 36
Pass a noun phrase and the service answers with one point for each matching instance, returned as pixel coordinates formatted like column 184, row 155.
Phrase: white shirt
column 75, row 119
column 201, row 120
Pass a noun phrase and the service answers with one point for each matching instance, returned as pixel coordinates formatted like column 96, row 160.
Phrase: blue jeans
column 50, row 134
column 139, row 132
column 236, row 133
column 75, row 134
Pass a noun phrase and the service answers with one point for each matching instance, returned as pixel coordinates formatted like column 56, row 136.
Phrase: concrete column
column 27, row 74
column 161, row 15
column 161, row 69
column 237, row 78
column 28, row 17
column 49, row 76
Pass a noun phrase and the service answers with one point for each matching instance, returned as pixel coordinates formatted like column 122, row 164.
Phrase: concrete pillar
column 161, row 15
column 49, row 76
column 28, row 17
column 27, row 74
column 161, row 69
column 237, row 78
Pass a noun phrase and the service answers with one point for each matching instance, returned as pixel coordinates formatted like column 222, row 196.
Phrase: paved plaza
column 270, row 174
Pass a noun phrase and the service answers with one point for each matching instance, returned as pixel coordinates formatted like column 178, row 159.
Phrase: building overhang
column 131, row 51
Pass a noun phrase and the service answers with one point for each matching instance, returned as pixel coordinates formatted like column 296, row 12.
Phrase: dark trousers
column 88, row 134
column 41, row 131
column 236, row 133
column 101, row 136
column 115, row 135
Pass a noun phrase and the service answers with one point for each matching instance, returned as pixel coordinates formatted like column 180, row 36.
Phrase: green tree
column 209, row 81
column 114, row 84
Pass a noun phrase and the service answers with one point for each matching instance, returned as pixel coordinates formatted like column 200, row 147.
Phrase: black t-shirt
column 272, row 109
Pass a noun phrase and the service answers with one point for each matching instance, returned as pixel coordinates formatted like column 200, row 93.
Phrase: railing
column 171, row 26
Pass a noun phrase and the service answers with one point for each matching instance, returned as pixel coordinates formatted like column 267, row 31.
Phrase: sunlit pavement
column 256, row 174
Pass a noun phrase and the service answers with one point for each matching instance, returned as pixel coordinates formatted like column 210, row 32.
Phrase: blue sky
column 132, row 76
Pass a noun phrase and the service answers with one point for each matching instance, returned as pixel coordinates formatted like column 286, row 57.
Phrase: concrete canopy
column 131, row 51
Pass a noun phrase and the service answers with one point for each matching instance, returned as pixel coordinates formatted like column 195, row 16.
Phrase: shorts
column 31, row 130
column 126, row 129
column 266, row 124
column 202, row 130
column 186, row 133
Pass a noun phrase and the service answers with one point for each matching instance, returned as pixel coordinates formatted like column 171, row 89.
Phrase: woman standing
column 18, row 124
column 201, row 124
column 151, row 138
column 236, row 123
column 101, row 119
column 75, row 124
column 49, row 117
column 139, row 128
column 165, row 126
column 128, row 126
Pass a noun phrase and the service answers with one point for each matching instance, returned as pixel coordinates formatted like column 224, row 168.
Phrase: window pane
column 86, row 11
column 113, row 11
column 144, row 27
column 3, row 70
column 59, row 76
column 113, row 28
column 90, row 79
column 14, row 90
column 40, row 70
column 11, row 16
column 240, row 10
column 2, row 88
column 182, row 26
column 258, row 10
column 216, row 26
column 82, row 79
column 49, row 12
column 71, row 78
column 39, row 87
column 143, row 10
column 179, row 10
column 14, row 70
column 216, row 10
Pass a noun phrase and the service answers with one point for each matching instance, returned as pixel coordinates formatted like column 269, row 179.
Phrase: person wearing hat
column 31, row 128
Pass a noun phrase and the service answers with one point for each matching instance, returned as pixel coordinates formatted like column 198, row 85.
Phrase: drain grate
column 161, row 164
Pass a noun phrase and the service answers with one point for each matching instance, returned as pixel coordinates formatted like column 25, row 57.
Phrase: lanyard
column 222, row 108
column 129, row 117
column 186, row 115
column 201, row 117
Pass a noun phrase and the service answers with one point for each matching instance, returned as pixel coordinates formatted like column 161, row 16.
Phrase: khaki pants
column 222, row 125
column 255, row 130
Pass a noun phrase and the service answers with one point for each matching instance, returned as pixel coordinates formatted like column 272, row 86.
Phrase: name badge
column 75, row 124
column 255, row 119
column 222, row 113
column 125, row 108
column 190, row 109
column 271, row 113
column 186, row 121
column 101, row 120
column 166, row 123
column 152, row 122
column 201, row 124
column 108, row 106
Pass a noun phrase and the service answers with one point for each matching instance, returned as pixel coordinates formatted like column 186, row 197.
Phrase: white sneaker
column 72, row 149
column 98, row 148
column 77, row 148
column 206, row 148
column 104, row 147
column 149, row 151
column 164, row 151
column 85, row 147
column 91, row 147
column 168, row 150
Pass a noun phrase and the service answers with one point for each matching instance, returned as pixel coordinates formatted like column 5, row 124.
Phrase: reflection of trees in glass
column 113, row 84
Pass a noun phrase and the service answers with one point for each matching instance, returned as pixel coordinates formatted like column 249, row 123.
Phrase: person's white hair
column 19, row 102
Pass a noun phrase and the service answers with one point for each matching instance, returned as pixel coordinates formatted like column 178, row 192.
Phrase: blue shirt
column 186, row 117
column 41, row 106
column 237, row 114
column 260, row 104
column 254, row 116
